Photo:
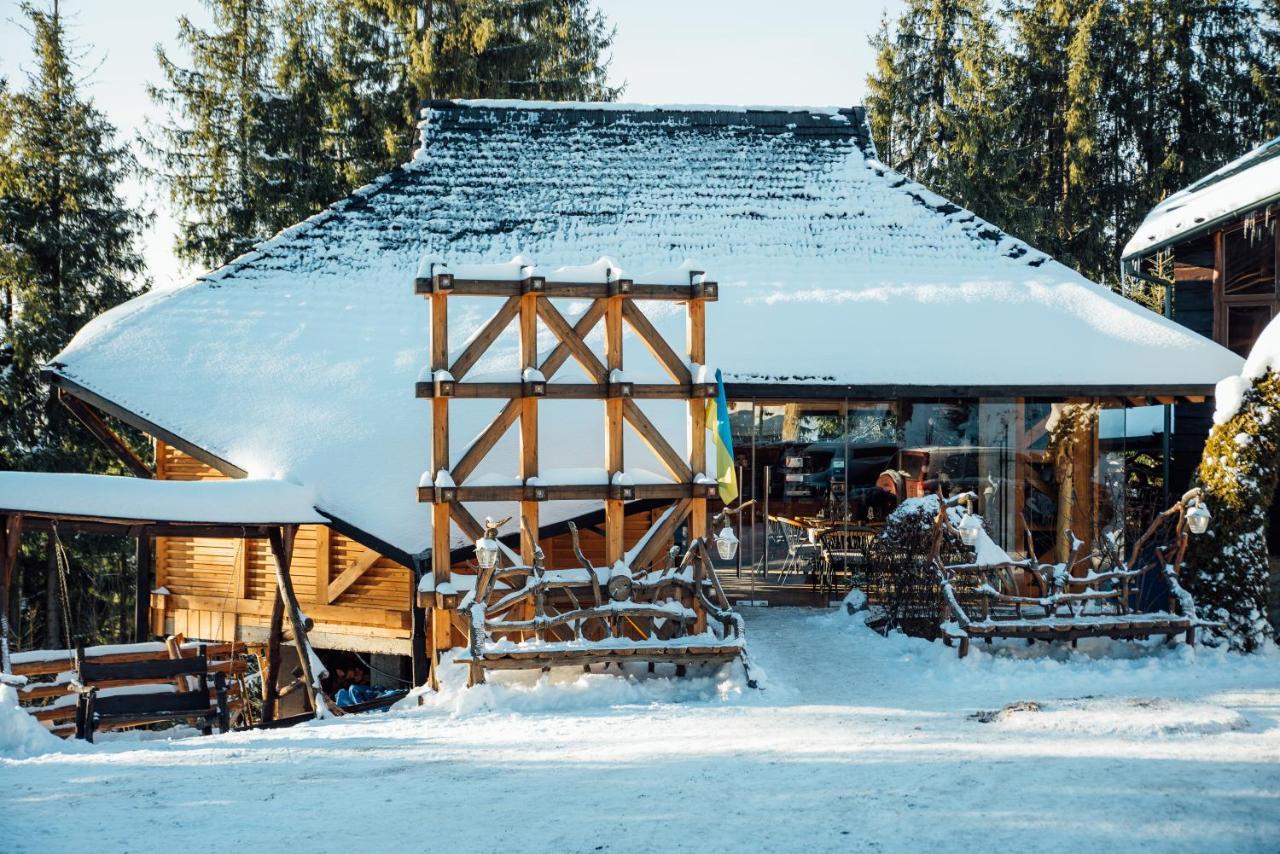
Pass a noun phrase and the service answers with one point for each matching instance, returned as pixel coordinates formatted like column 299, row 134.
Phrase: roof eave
column 1200, row 230
column 53, row 375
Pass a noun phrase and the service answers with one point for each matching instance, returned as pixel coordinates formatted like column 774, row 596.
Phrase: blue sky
column 667, row 51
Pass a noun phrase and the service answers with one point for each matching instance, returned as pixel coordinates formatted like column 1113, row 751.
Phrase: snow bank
column 569, row 689
column 21, row 735
column 1265, row 356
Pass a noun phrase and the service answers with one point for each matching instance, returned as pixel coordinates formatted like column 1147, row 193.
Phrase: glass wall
column 1043, row 470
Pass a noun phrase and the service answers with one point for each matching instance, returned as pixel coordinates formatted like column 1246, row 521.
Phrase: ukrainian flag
column 722, row 436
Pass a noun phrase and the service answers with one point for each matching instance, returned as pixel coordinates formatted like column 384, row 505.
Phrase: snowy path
column 858, row 743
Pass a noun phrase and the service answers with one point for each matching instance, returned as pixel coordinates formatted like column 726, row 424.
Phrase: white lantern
column 970, row 527
column 1198, row 518
column 487, row 546
column 726, row 543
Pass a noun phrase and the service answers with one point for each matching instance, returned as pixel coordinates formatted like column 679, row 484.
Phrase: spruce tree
column 69, row 252
column 935, row 108
column 1227, row 569
column 213, row 148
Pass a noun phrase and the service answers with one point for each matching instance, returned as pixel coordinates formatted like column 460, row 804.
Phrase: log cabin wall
column 223, row 589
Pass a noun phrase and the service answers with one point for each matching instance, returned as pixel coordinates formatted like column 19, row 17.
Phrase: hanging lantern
column 1198, row 518
column 487, row 546
column 726, row 543
column 970, row 527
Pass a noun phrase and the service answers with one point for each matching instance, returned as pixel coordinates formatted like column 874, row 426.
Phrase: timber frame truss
column 613, row 303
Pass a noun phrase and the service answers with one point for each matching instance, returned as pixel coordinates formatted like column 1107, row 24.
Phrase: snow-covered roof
column 249, row 501
column 298, row 360
column 1243, row 185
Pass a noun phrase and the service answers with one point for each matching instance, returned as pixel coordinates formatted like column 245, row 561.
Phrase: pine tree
column 423, row 49
column 301, row 171
column 69, row 252
column 213, row 149
column 935, row 108
column 1227, row 569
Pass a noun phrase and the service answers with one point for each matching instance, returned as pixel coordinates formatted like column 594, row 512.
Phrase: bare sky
column 667, row 51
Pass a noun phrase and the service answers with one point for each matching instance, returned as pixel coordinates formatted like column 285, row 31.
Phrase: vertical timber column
column 696, row 342
column 440, row 635
column 529, row 517
column 614, row 512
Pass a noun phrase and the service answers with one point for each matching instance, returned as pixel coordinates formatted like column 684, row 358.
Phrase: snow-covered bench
column 1095, row 595
column 46, row 678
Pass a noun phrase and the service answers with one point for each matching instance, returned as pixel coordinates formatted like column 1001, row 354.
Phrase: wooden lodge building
column 1213, row 248
column 877, row 342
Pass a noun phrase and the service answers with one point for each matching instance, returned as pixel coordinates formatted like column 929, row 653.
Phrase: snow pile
column 21, row 735
column 1265, row 356
column 569, row 689
column 1131, row 717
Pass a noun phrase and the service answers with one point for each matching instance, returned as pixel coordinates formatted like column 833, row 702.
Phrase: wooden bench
column 1094, row 595
column 148, row 703
column 45, row 678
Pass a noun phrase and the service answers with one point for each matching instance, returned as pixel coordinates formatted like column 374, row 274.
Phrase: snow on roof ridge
column 636, row 107
column 1194, row 207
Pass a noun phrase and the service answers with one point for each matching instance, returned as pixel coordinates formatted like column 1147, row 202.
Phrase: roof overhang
column 1108, row 395
column 52, row 375
column 1198, row 231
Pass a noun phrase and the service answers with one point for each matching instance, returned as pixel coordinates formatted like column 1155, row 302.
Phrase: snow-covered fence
column 587, row 615
column 1087, row 595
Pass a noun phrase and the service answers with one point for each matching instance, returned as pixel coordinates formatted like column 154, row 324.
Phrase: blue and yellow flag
column 722, row 436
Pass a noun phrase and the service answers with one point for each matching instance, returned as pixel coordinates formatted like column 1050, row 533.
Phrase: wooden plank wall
column 221, row 589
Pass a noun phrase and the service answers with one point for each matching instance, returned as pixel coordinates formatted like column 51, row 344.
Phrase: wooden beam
column 696, row 344
column 349, row 576
column 483, row 340
column 570, row 290
column 581, row 328
column 10, row 540
column 282, row 540
column 240, row 568
column 324, row 564
column 614, row 511
column 656, row 344
column 104, row 434
column 665, row 531
column 529, row 515
column 578, row 348
column 466, row 522
column 654, row 439
column 485, row 441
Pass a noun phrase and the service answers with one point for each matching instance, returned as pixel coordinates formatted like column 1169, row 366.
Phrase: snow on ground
column 857, row 743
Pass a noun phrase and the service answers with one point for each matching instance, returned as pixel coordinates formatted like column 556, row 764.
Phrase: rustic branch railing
column 587, row 615
column 1084, row 596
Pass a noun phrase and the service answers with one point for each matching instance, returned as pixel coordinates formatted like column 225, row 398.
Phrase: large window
column 1245, row 298
column 1042, row 470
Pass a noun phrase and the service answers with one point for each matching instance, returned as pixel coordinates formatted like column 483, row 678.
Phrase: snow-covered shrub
column 1227, row 568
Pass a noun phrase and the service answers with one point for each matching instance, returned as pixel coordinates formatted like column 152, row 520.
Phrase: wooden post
column 696, row 342
column 529, row 515
column 142, row 588
column 10, row 539
column 614, row 510
column 270, row 675
column 282, row 540
column 440, row 526
column 324, row 563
